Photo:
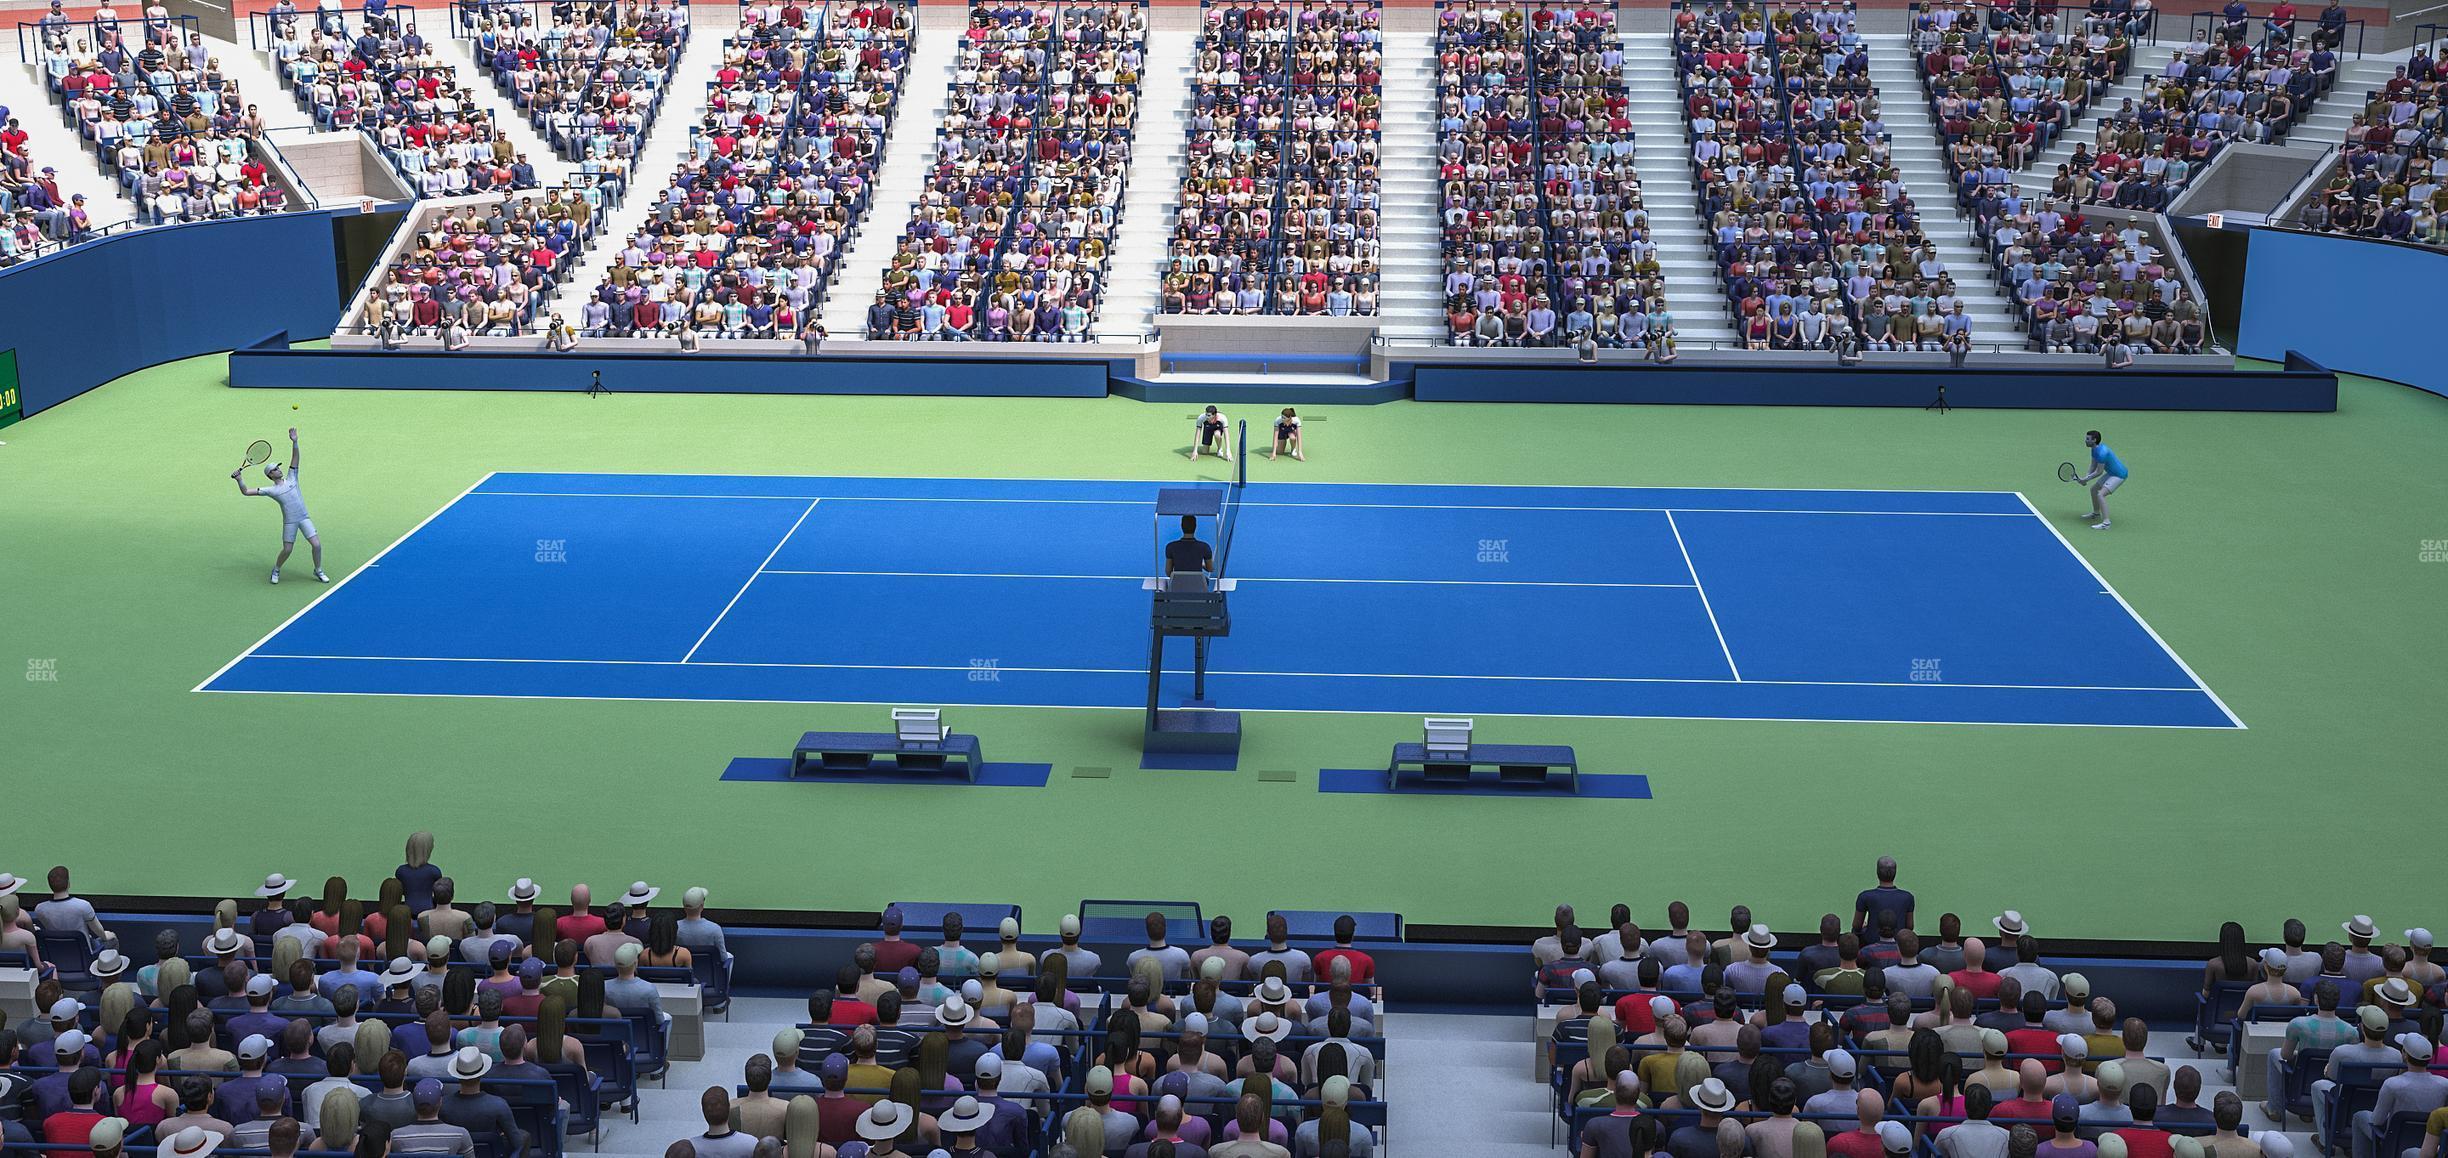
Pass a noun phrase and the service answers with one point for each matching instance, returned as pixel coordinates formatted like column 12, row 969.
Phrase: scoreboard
column 12, row 405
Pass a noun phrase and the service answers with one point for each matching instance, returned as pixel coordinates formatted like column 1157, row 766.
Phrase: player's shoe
column 2101, row 525
column 276, row 576
column 320, row 577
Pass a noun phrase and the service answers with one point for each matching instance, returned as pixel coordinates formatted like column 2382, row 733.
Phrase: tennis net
column 1231, row 516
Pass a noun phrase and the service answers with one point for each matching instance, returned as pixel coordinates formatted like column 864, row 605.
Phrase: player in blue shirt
column 2107, row 474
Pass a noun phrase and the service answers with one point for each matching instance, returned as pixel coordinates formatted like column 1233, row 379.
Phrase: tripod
column 596, row 388
column 1939, row 403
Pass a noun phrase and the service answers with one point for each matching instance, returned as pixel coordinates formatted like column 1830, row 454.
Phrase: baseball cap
column 2072, row 1045
column 694, row 896
column 261, row 985
column 2374, row 1018
column 66, row 1009
column 2274, row 959
column 1069, row 925
column 70, row 1044
column 2275, row 1145
column 835, row 1066
column 2111, row 1075
column 1009, row 928
column 787, row 1041
column 1895, row 1137
column 2419, row 938
column 428, row 1093
column 2063, row 1108
column 989, row 1065
column 1840, row 1063
column 1795, row 997
column 625, row 955
column 254, row 1048
column 2415, row 1045
column 2076, row 986
column 1993, row 1043
column 1100, row 1081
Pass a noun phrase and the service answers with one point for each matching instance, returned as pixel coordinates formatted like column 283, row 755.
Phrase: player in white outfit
column 294, row 522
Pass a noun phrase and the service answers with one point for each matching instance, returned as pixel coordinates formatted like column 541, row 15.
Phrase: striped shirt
column 2320, row 1031
column 432, row 1138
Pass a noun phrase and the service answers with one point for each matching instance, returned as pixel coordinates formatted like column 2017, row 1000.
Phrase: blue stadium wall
column 2352, row 305
column 82, row 317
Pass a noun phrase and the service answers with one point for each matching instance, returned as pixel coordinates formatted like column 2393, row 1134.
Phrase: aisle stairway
column 1661, row 153
column 659, row 157
column 1134, row 271
column 909, row 154
column 50, row 142
column 1920, row 159
column 1411, row 282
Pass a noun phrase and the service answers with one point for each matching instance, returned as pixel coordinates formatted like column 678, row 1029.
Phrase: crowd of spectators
column 1009, row 239
column 372, row 70
column 482, row 269
column 2392, row 179
column 1876, row 1038
column 748, row 236
column 592, row 81
column 410, row 1023
column 2006, row 82
column 1546, row 240
column 154, row 104
column 1280, row 198
column 2143, row 153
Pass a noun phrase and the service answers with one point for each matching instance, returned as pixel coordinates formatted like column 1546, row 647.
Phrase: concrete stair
column 659, row 158
column 1411, row 281
column 1920, row 159
column 909, row 153
column 460, row 57
column 1661, row 154
column 50, row 142
column 2149, row 61
column 1134, row 270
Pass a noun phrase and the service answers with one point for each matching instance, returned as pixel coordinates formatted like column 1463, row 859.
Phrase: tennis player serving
column 284, row 490
column 2107, row 474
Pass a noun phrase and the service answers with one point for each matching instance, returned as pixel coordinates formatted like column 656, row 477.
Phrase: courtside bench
column 851, row 753
column 1510, row 765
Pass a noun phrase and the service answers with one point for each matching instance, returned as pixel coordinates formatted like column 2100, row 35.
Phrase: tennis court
column 1909, row 606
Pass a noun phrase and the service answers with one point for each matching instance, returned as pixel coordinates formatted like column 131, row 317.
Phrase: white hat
column 524, row 890
column 1896, row 1137
column 1196, row 1022
column 1993, row 1043
column 1661, row 1005
column 1273, row 991
column 2418, row 938
column 275, row 885
column 2361, row 926
column 469, row 1064
column 954, row 1012
column 1009, row 927
column 261, row 985
column 108, row 963
column 255, row 1047
column 694, row 897
column 2072, row 1045
column 2415, row 1045
column 1268, row 1026
column 1713, row 1096
column 69, row 1044
column 437, row 948
column 2395, row 991
column 965, row 1117
column 401, row 972
column 989, row 1066
column 2274, row 959
column 1069, row 926
column 10, row 883
column 2275, row 1144
column 1841, row 1063
column 1100, row 1081
column 66, row 1009
column 2010, row 923
column 223, row 943
column 109, row 1133
column 192, row 1142
column 1758, row 937
column 972, row 992
column 640, row 893
column 1795, row 998
column 1335, row 1091
column 884, row 1121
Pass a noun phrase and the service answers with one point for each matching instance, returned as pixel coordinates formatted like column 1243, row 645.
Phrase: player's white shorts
column 2107, row 486
column 290, row 531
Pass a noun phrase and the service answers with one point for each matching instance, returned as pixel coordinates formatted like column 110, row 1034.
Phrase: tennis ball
column 293, row 406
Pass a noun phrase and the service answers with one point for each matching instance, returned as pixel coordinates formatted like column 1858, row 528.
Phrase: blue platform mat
column 1594, row 786
column 776, row 770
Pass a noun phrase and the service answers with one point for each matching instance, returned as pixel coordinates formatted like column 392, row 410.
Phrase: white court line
column 752, row 578
column 1411, row 715
column 2129, row 610
column 1331, row 675
column 1704, row 599
column 1282, row 482
column 344, row 581
column 1141, row 502
column 1236, row 578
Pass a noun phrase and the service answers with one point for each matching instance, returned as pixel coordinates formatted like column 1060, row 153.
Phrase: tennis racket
column 259, row 453
column 2066, row 472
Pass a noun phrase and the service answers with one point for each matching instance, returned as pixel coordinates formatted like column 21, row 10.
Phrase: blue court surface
column 1907, row 606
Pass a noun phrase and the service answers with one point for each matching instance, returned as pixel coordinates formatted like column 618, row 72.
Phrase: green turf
column 2278, row 554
